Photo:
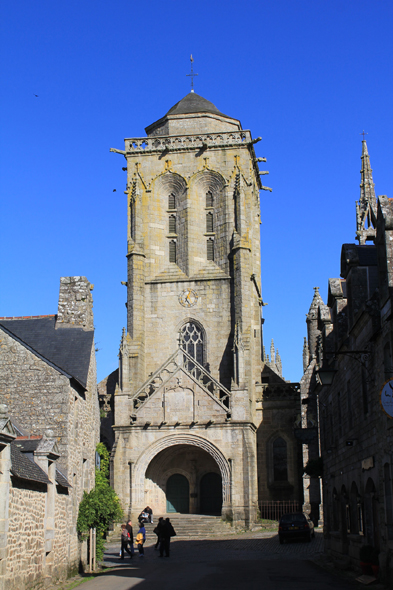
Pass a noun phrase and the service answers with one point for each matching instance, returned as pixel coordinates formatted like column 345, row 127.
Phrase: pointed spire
column 278, row 363
column 315, row 303
column 366, row 207
column 306, row 355
column 272, row 353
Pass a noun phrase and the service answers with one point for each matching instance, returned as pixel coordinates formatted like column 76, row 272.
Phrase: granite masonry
column 188, row 402
column 50, row 428
column 348, row 359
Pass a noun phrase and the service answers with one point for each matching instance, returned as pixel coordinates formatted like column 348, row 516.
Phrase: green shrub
column 100, row 506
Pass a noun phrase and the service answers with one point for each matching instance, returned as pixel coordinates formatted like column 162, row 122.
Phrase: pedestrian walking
column 125, row 538
column 131, row 537
column 166, row 531
column 140, row 539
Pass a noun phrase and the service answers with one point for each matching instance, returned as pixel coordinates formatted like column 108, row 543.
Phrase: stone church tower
column 185, row 413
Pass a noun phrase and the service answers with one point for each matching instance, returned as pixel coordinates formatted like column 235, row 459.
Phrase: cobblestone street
column 248, row 560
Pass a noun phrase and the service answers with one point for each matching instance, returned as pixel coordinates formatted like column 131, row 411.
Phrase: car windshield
column 293, row 518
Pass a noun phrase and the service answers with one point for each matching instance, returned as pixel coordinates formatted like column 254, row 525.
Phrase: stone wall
column 36, row 394
column 26, row 539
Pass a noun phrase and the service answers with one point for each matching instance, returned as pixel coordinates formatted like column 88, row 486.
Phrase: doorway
column 178, row 494
column 211, row 494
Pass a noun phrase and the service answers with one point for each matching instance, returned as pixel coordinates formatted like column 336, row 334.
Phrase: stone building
column 50, row 427
column 190, row 405
column 350, row 360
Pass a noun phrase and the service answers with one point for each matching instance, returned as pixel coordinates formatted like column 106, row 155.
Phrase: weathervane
column 363, row 133
column 192, row 75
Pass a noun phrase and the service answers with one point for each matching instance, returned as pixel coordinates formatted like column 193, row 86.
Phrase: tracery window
column 280, row 463
column 191, row 340
column 172, row 251
column 171, row 201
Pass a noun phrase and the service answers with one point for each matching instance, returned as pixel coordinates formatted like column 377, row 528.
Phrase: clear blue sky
column 306, row 75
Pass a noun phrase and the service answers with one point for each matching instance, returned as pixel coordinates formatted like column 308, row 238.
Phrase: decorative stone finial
column 3, row 409
column 49, row 433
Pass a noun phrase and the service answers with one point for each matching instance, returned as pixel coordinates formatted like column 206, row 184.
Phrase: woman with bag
column 125, row 539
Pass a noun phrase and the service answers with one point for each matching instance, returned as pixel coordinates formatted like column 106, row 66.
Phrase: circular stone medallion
column 188, row 298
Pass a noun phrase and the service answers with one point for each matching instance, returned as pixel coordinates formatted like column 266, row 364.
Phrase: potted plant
column 366, row 554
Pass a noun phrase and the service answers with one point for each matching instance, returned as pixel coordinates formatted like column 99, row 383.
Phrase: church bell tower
column 190, row 357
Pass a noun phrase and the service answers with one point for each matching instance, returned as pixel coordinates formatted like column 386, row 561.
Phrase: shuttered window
column 171, row 201
column 209, row 199
column 209, row 222
column 172, row 251
column 210, row 250
column 172, row 224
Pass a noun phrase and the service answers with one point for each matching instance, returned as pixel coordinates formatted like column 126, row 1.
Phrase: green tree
column 100, row 506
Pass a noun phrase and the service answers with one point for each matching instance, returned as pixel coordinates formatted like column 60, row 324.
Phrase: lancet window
column 209, row 199
column 171, row 201
column 280, row 462
column 209, row 222
column 210, row 249
column 172, row 224
column 172, row 251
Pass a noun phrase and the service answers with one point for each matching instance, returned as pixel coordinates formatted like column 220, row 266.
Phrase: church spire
column 366, row 207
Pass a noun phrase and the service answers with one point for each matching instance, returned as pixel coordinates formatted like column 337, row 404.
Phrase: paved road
column 238, row 562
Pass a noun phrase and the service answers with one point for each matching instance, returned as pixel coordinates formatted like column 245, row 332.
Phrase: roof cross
column 192, row 75
column 363, row 133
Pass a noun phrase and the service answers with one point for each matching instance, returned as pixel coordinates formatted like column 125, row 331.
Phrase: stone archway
column 169, row 443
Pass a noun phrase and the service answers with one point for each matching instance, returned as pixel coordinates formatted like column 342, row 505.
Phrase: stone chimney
column 75, row 303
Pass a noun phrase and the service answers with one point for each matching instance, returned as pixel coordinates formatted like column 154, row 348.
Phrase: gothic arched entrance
column 178, row 494
column 211, row 493
column 187, row 455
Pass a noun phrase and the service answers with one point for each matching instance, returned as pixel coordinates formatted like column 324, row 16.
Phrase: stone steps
column 187, row 526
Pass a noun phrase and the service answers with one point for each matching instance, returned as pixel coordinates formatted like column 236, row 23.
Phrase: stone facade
column 350, row 343
column 48, row 383
column 189, row 395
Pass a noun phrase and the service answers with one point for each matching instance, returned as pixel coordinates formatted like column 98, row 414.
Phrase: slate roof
column 67, row 348
column 61, row 479
column 193, row 103
column 28, row 445
column 24, row 468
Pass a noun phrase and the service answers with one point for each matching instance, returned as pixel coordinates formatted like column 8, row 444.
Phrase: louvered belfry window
column 172, row 251
column 209, row 199
column 209, row 222
column 172, row 224
column 171, row 201
column 210, row 250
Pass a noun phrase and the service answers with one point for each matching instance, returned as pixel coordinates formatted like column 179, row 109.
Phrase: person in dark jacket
column 166, row 531
column 131, row 540
column 157, row 532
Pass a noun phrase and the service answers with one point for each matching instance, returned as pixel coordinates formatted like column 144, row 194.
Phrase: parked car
column 295, row 525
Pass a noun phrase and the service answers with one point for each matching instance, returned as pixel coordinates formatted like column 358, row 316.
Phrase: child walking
column 140, row 539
